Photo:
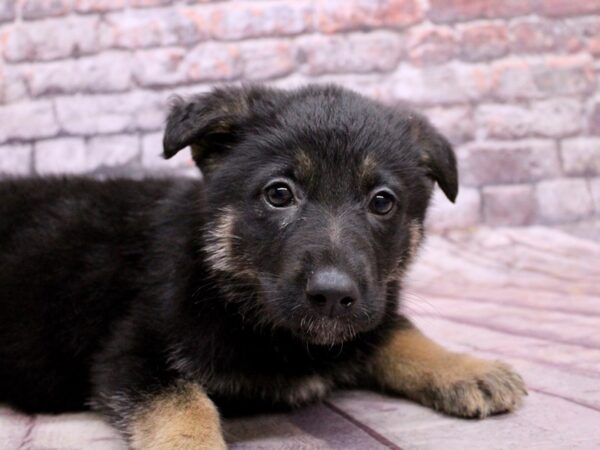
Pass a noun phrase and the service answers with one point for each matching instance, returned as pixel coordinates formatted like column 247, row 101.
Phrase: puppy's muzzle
column 332, row 292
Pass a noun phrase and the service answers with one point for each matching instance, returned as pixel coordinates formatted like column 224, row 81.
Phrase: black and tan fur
column 162, row 301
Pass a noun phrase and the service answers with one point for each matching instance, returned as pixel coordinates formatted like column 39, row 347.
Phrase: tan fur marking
column 415, row 231
column 304, row 165
column 457, row 384
column 367, row 168
column 219, row 242
column 183, row 418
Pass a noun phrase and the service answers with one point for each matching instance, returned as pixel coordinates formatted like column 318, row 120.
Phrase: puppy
column 276, row 279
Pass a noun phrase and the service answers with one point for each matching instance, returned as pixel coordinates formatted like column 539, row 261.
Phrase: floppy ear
column 437, row 155
column 209, row 123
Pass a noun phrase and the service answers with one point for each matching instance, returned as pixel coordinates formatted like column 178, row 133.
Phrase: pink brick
column 465, row 213
column 475, row 80
column 151, row 112
column 213, row 61
column 461, row 10
column 595, row 118
column 518, row 78
column 37, row 9
column 64, row 155
column 154, row 27
column 532, row 36
column 343, row 15
column 110, row 151
column 15, row 159
column 553, row 118
column 149, row 3
column 27, row 120
column 13, row 85
column 439, row 85
column 557, row 117
column 581, row 156
column 266, row 59
column 588, row 30
column 508, row 162
column 372, row 52
column 504, row 120
column 563, row 200
column 52, row 39
column 595, row 190
column 159, row 67
column 509, row 205
column 93, row 114
column 535, row 35
column 456, row 123
column 106, row 72
column 431, row 44
column 483, row 41
column 565, row 75
column 513, row 80
column 241, row 20
column 99, row 5
column 7, row 10
column 560, row 8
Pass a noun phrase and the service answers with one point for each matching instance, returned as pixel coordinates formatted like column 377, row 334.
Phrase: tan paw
column 182, row 418
column 474, row 388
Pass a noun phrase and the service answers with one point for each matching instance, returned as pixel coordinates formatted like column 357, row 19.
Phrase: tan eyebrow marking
column 367, row 169
column 304, row 164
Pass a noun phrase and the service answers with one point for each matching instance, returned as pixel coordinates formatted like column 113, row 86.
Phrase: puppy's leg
column 180, row 418
column 457, row 384
column 152, row 410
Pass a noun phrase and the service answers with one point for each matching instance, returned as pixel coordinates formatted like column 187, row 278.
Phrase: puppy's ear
column 209, row 123
column 436, row 154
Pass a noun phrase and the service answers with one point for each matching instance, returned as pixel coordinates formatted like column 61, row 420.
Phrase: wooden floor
column 528, row 296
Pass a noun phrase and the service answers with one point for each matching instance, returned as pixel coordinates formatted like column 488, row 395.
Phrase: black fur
column 113, row 290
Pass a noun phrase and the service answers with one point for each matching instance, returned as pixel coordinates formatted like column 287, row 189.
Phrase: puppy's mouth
column 325, row 331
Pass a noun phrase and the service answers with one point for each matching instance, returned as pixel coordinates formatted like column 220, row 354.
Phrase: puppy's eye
column 382, row 203
column 279, row 195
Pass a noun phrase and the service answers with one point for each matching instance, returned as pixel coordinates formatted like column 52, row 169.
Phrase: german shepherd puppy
column 268, row 284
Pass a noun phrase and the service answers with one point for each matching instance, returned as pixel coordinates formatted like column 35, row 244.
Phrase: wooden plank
column 544, row 422
column 84, row 430
column 520, row 297
column 553, row 326
column 14, row 428
column 493, row 258
column 313, row 427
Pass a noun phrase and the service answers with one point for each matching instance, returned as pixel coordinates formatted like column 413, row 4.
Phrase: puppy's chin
column 325, row 331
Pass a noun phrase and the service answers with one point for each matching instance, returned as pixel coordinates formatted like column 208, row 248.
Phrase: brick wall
column 513, row 83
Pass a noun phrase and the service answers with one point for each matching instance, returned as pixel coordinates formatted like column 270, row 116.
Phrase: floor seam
column 500, row 329
column 566, row 399
column 370, row 431
column 479, row 300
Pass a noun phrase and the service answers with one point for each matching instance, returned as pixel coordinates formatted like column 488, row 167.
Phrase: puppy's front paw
column 168, row 438
column 474, row 388
column 182, row 418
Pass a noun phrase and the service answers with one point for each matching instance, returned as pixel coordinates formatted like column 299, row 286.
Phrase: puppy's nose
column 332, row 292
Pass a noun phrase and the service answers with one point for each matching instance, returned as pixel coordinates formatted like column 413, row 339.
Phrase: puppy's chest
column 286, row 381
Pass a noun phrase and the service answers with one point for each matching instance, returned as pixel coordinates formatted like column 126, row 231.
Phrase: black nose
column 332, row 291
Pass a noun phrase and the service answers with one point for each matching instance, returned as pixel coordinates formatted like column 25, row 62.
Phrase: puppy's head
column 316, row 200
